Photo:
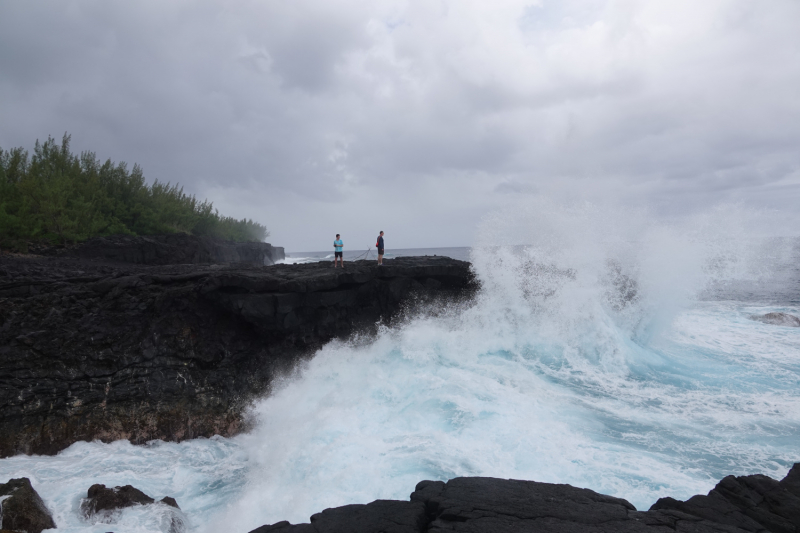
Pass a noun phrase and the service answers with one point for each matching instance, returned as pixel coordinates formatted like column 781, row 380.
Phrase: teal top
column 338, row 245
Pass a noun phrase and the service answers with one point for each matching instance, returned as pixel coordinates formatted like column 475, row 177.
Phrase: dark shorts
column 380, row 251
column 337, row 254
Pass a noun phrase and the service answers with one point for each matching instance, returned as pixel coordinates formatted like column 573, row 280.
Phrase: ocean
column 605, row 350
column 462, row 253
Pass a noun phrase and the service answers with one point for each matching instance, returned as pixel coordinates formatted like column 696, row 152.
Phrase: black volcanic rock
column 101, row 498
column 485, row 504
column 97, row 350
column 386, row 516
column 488, row 505
column 103, row 504
column 21, row 508
column 751, row 503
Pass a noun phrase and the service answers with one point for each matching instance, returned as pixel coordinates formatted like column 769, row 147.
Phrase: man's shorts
column 380, row 251
column 337, row 254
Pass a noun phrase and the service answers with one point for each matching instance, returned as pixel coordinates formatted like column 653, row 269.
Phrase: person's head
column 337, row 235
column 381, row 233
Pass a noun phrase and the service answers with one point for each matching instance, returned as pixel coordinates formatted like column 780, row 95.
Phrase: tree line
column 61, row 198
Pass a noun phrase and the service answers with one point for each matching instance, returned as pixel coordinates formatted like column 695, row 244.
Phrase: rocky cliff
column 97, row 350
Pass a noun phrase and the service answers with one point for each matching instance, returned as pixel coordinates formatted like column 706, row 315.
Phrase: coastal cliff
column 92, row 349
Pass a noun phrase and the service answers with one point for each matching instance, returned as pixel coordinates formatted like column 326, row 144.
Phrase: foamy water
column 587, row 358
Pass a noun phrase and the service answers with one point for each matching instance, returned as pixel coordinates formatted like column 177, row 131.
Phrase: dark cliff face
column 92, row 350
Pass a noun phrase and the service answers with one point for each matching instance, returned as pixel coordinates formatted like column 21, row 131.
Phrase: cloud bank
column 417, row 117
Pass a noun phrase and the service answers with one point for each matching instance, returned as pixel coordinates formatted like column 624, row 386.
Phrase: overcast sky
column 416, row 117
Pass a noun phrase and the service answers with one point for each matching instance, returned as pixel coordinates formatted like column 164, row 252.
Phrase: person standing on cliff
column 337, row 251
column 379, row 245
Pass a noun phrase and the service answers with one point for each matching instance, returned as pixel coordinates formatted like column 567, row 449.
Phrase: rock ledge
column 474, row 504
column 97, row 350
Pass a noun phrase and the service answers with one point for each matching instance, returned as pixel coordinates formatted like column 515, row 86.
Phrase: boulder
column 103, row 504
column 21, row 508
column 778, row 319
column 101, row 498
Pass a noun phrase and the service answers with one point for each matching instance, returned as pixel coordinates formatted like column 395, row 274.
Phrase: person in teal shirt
column 337, row 251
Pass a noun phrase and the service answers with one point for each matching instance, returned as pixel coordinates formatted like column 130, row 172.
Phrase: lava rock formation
column 487, row 505
column 22, row 509
column 91, row 349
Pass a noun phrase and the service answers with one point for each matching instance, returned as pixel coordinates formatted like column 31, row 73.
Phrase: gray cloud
column 325, row 117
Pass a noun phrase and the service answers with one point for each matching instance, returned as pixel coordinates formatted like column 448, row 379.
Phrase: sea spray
column 565, row 368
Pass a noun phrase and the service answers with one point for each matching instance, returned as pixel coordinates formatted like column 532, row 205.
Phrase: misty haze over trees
column 58, row 197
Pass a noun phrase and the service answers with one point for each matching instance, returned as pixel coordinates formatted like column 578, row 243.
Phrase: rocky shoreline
column 754, row 503
column 95, row 349
column 744, row 504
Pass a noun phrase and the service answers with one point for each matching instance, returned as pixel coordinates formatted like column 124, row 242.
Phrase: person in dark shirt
column 379, row 245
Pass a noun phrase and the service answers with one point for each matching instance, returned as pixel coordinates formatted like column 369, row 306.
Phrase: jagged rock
column 101, row 498
column 21, row 508
column 485, row 504
column 102, row 504
column 169, row 500
column 386, row 516
column 94, row 350
column 778, row 319
column 751, row 503
column 489, row 505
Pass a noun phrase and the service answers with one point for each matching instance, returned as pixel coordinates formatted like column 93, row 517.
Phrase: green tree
column 56, row 196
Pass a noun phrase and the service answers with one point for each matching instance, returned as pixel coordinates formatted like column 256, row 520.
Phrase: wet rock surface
column 101, row 498
column 387, row 516
column 91, row 349
column 21, row 508
column 778, row 319
column 488, row 505
column 103, row 504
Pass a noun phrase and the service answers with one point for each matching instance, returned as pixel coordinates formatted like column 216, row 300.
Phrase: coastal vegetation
column 58, row 197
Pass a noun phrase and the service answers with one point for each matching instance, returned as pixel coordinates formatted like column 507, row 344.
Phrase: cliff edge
column 91, row 349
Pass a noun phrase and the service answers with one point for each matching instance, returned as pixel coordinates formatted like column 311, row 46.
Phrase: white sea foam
column 201, row 474
column 288, row 260
column 585, row 359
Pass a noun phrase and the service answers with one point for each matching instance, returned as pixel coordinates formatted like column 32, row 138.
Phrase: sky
column 417, row 117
